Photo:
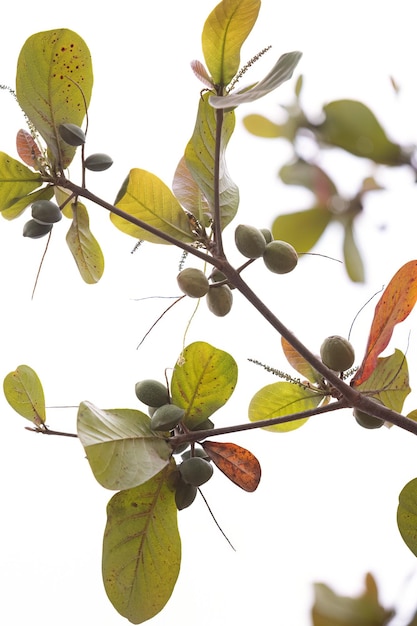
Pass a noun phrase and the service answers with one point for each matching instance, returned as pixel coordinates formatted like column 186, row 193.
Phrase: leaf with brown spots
column 238, row 464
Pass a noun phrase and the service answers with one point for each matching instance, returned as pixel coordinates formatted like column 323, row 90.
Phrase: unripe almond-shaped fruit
column 72, row 134
column 151, row 392
column 34, row 230
column 98, row 162
column 368, row 421
column 196, row 471
column 267, row 234
column 188, row 454
column 166, row 417
column 184, row 495
column 220, row 300
column 193, row 282
column 249, row 241
column 337, row 353
column 46, row 212
column 280, row 257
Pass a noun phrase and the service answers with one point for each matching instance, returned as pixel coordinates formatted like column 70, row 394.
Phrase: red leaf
column 238, row 464
column 27, row 149
column 395, row 305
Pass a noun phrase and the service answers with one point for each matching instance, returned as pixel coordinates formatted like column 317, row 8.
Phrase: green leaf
column 224, row 32
column 353, row 260
column 352, row 126
column 407, row 515
column 199, row 157
column 312, row 177
column 23, row 391
column 141, row 549
column 148, row 199
column 389, row 381
column 16, row 181
column 18, row 207
column 302, row 229
column 189, row 193
column 281, row 72
column 121, row 448
column 203, row 380
column 54, row 81
column 263, row 127
column 84, row 247
column 281, row 399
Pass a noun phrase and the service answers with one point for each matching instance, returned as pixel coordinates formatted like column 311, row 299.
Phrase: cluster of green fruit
column 195, row 468
column 337, row 353
column 44, row 215
column 195, row 284
column 74, row 136
column 279, row 256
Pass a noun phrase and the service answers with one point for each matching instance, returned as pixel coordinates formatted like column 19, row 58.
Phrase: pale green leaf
column 16, row 181
column 407, row 515
column 17, row 208
column 189, row 193
column 121, row 448
column 281, row 72
column 282, row 399
column 261, row 126
column 353, row 260
column 224, row 32
column 141, row 549
column 54, row 81
column 24, row 392
column 200, row 155
column 84, row 246
column 302, row 229
column 203, row 380
column 146, row 198
column 312, row 177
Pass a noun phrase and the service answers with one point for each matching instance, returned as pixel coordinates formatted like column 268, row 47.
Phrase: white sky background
column 326, row 505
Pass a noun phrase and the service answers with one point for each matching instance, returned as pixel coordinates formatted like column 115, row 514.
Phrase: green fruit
column 46, row 212
column 184, row 495
column 166, row 417
column 200, row 452
column 98, row 162
column 217, row 276
column 72, row 135
column 220, row 300
column 267, row 234
column 193, row 282
column 280, row 257
column 152, row 392
column 368, row 421
column 179, row 449
column 196, row 471
column 34, row 230
column 249, row 241
column 337, row 353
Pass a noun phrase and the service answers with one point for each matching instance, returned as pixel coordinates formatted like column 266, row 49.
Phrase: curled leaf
column 237, row 463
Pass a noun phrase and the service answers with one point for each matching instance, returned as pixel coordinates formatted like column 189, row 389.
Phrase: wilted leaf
column 282, row 71
column 353, row 260
column 24, row 392
column 54, row 81
column 237, row 463
column 224, row 32
column 148, row 199
column 121, row 448
column 299, row 363
column 27, row 149
column 141, row 549
column 203, row 380
column 16, row 181
column 199, row 157
column 84, row 246
column 17, row 208
column 395, row 304
column 302, row 229
column 407, row 515
column 282, row 399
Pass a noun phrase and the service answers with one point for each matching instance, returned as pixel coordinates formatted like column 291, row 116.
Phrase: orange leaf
column 238, row 464
column 299, row 363
column 395, row 305
column 27, row 149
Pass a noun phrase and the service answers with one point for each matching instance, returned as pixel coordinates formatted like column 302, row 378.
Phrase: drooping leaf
column 224, row 32
column 148, row 199
column 200, row 160
column 281, row 72
column 237, row 463
column 28, row 149
column 312, row 177
column 263, row 127
column 353, row 260
column 54, row 81
column 17, row 208
column 16, row 181
column 121, row 448
column 189, row 193
column 282, row 399
column 407, row 515
column 395, row 304
column 302, row 229
column 24, row 392
column 203, row 380
column 84, row 246
column 299, row 363
column 352, row 126
column 389, row 381
column 141, row 549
